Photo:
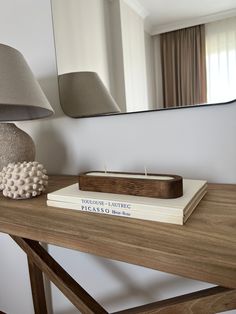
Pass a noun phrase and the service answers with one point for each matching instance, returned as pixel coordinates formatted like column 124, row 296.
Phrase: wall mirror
column 135, row 50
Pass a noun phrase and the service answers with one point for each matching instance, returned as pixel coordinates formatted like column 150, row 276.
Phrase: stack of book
column 175, row 211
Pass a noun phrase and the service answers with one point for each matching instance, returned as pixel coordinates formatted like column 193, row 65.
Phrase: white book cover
column 166, row 210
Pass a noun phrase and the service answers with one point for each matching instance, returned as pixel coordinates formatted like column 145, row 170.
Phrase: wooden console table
column 203, row 249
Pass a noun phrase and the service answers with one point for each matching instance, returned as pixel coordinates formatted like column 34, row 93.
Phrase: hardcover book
column 175, row 211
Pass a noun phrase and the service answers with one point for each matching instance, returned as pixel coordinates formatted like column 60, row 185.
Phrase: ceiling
column 162, row 13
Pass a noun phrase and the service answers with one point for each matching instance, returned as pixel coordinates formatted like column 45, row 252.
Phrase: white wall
column 197, row 143
column 80, row 37
column 133, row 42
column 116, row 60
column 150, row 70
column 158, row 71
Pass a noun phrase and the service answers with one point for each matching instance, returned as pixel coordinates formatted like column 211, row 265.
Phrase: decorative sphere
column 23, row 180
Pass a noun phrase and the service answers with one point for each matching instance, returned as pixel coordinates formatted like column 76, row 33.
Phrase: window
column 221, row 60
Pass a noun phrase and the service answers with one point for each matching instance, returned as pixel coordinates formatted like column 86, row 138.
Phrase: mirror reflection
column 148, row 54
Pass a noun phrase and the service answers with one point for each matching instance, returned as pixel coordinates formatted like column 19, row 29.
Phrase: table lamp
column 83, row 94
column 21, row 98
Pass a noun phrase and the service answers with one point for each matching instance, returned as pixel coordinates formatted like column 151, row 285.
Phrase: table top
column 203, row 249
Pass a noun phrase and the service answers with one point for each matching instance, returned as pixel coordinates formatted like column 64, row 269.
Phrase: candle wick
column 105, row 169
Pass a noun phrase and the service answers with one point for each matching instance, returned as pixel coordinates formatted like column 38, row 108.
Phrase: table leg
column 42, row 261
column 208, row 301
column 37, row 288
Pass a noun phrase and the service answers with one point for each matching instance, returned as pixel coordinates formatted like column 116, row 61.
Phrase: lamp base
column 15, row 145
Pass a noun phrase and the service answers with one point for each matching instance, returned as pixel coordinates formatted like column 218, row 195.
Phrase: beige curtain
column 183, row 58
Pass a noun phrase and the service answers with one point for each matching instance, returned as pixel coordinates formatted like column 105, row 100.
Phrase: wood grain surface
column 208, row 301
column 64, row 282
column 37, row 288
column 203, row 249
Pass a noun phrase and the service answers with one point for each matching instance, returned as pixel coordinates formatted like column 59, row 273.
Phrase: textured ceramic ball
column 23, row 180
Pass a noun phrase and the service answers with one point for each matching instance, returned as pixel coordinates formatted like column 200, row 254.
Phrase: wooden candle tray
column 159, row 188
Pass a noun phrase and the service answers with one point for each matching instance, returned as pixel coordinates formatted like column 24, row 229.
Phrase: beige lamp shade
column 83, row 94
column 21, row 97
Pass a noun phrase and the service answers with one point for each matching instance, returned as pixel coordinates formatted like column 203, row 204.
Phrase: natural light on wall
column 221, row 60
